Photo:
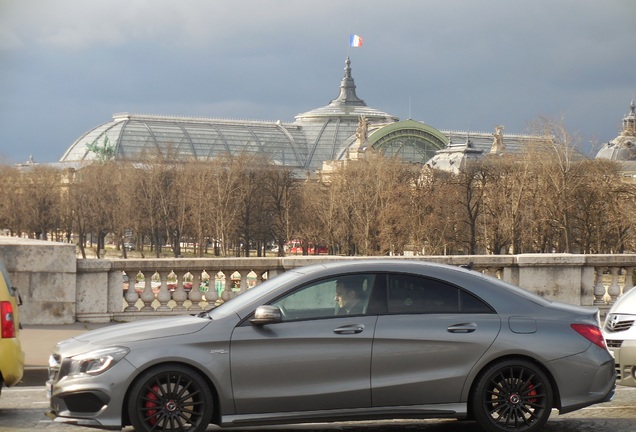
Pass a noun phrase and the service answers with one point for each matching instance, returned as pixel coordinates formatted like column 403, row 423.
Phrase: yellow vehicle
column 11, row 355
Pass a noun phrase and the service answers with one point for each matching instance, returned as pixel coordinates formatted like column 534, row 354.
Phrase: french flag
column 355, row 41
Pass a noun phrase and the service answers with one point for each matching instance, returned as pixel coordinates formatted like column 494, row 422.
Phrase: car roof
column 458, row 275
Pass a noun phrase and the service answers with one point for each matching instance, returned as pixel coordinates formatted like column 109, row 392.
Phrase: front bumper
column 624, row 352
column 86, row 400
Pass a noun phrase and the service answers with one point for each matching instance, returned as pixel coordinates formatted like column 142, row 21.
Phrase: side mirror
column 266, row 314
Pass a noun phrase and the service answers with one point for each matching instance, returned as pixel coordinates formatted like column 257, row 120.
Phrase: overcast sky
column 66, row 66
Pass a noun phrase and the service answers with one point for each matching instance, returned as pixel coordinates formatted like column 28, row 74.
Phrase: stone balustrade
column 58, row 288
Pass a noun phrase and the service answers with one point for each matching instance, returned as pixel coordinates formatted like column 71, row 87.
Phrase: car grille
column 613, row 326
column 614, row 343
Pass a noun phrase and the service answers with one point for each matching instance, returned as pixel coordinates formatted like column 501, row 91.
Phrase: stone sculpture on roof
column 498, row 146
column 362, row 131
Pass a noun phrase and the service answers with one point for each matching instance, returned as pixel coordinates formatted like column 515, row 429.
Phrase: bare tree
column 316, row 218
column 196, row 192
column 281, row 190
column 471, row 183
column 40, row 192
column 223, row 204
column 94, row 197
column 505, row 201
column 154, row 187
column 557, row 162
column 433, row 204
column 10, row 200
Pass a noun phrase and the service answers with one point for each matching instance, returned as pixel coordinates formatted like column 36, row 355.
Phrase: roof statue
column 498, row 146
column 104, row 152
column 629, row 122
column 361, row 133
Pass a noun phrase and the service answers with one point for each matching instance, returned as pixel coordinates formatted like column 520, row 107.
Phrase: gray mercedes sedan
column 348, row 340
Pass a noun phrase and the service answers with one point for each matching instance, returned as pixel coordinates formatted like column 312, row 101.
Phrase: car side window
column 342, row 295
column 409, row 294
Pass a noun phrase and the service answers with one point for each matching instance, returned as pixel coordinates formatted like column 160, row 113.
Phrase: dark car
column 423, row 341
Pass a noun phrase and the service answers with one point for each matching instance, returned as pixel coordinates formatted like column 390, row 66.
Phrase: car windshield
column 240, row 301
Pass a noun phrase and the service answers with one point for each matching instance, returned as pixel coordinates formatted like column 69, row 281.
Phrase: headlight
column 96, row 362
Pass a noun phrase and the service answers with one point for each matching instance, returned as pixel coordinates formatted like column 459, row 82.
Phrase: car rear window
column 415, row 294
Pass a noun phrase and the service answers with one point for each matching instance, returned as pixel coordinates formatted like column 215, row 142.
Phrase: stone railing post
column 195, row 296
column 92, row 293
column 587, row 285
column 147, row 295
column 243, row 282
column 599, row 287
column 211, row 294
column 180, row 295
column 629, row 279
column 163, row 296
column 227, row 293
column 613, row 290
column 131, row 295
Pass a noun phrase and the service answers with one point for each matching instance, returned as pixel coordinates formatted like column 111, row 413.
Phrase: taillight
column 7, row 325
column 591, row 333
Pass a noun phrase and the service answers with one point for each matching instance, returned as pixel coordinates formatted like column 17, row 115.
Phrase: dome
column 347, row 106
column 623, row 147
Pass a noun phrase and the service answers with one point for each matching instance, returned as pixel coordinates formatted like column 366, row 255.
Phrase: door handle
column 350, row 329
column 462, row 328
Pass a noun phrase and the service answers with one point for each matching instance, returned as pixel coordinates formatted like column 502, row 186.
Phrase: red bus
column 295, row 247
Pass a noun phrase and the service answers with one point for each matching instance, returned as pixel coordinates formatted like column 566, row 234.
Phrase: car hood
column 122, row 334
column 625, row 304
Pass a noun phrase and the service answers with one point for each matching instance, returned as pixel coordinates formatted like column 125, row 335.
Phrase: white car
column 620, row 335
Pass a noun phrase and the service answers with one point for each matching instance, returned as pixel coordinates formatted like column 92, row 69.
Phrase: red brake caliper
column 150, row 403
column 532, row 392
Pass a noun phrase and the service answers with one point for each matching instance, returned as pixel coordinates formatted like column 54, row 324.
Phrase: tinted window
column 413, row 294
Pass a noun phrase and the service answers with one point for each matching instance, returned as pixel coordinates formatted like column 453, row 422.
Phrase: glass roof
column 318, row 135
column 315, row 136
column 136, row 136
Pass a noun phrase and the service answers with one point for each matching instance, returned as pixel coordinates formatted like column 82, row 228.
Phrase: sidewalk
column 38, row 342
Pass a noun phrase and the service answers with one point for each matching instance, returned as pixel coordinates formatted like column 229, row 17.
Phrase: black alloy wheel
column 170, row 398
column 512, row 395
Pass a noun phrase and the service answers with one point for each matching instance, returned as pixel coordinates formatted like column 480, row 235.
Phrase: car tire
column 170, row 397
column 512, row 395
